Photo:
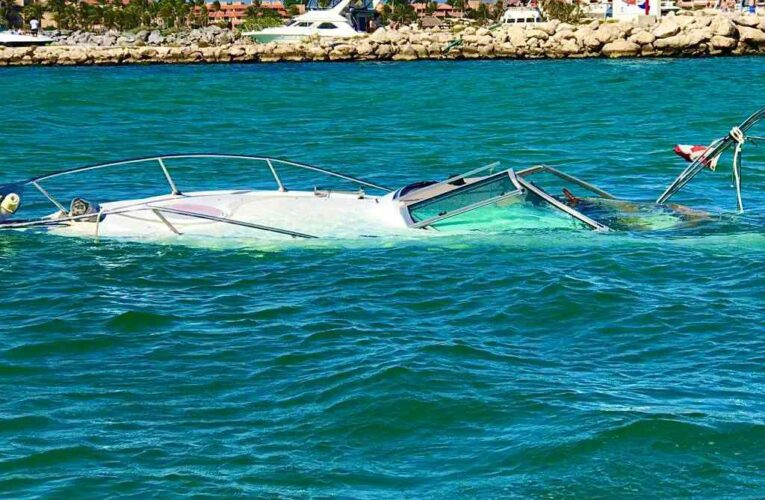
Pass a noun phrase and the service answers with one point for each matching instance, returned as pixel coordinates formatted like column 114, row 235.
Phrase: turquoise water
column 551, row 363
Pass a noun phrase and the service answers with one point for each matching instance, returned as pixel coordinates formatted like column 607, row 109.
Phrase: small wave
column 53, row 458
column 25, row 423
column 62, row 346
column 135, row 321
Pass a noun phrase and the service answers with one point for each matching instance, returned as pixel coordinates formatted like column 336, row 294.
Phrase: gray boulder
column 621, row 48
column 722, row 42
column 751, row 35
column 667, row 28
column 155, row 38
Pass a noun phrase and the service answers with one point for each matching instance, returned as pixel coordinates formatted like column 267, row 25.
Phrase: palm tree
column 499, row 9
column 34, row 11
column 200, row 9
column 166, row 13
column 58, row 8
column 184, row 11
column 9, row 13
column 215, row 7
column 482, row 12
column 86, row 15
column 257, row 17
column 144, row 9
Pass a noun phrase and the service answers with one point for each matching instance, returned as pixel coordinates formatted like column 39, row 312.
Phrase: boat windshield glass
column 472, row 194
column 596, row 208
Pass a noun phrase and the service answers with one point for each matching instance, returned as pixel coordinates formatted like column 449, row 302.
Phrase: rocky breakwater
column 689, row 35
column 202, row 37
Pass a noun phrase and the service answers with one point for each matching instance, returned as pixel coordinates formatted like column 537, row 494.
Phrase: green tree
column 59, row 11
column 399, row 11
column 9, row 14
column 292, row 6
column 499, row 9
column 34, row 10
column 482, row 13
column 257, row 17
column 85, row 15
column 202, row 16
column 562, row 11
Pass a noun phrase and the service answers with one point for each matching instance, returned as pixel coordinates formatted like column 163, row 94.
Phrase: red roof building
column 235, row 13
column 443, row 10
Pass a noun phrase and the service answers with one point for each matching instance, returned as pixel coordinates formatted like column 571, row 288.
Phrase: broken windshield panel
column 474, row 194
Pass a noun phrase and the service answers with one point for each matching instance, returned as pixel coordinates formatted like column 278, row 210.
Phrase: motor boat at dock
column 18, row 39
column 521, row 15
column 321, row 23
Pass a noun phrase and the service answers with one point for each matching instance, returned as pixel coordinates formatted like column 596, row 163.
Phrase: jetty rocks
column 685, row 35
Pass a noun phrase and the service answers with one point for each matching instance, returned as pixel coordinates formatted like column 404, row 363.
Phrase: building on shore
column 234, row 13
column 442, row 11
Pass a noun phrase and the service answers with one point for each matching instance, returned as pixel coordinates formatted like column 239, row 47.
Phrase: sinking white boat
column 328, row 23
column 16, row 39
column 488, row 199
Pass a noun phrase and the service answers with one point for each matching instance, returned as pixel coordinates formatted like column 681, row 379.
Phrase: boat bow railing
column 272, row 163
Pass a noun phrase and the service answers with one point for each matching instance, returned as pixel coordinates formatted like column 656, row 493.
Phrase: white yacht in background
column 668, row 6
column 604, row 9
column 16, row 39
column 521, row 15
column 600, row 9
column 329, row 23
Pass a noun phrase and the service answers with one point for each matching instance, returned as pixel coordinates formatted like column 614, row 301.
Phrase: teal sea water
column 551, row 363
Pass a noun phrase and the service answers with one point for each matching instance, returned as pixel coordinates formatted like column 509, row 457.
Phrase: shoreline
column 699, row 34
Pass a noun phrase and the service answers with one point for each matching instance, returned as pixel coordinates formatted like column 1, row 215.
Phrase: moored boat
column 17, row 39
column 521, row 15
column 327, row 23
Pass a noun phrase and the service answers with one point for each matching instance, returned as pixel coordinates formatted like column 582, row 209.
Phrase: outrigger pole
column 736, row 138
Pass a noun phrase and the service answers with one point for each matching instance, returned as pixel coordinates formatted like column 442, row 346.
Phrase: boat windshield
column 597, row 208
column 445, row 200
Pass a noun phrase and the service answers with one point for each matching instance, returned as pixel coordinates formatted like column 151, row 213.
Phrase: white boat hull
column 16, row 40
column 262, row 37
column 325, row 215
column 324, row 24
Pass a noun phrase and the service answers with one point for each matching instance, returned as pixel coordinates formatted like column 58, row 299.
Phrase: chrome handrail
column 542, row 168
column 271, row 163
column 715, row 149
column 177, row 156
